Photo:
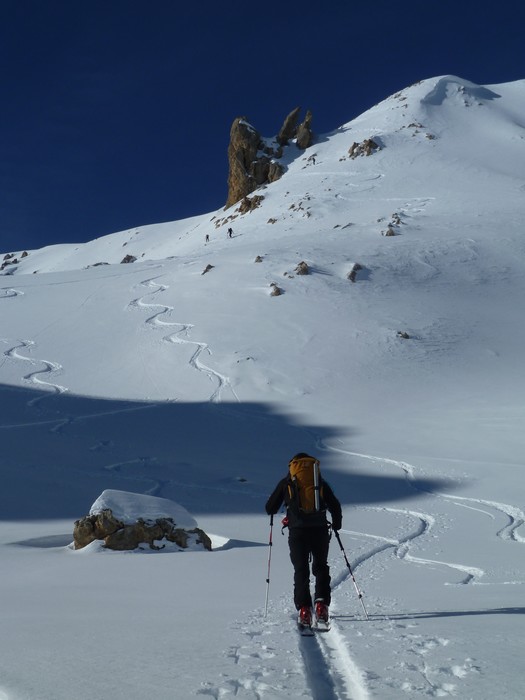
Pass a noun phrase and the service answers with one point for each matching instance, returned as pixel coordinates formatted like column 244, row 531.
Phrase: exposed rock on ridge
column 252, row 162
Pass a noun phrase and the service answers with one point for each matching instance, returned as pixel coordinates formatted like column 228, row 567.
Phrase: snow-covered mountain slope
column 156, row 378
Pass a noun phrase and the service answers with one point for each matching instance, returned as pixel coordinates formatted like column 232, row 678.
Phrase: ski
column 322, row 626
column 305, row 630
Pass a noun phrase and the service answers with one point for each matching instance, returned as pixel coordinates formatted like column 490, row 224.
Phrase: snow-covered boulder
column 124, row 521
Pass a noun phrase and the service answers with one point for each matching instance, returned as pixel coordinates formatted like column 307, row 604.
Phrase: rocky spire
column 252, row 163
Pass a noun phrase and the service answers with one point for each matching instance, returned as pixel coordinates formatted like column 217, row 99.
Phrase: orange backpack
column 305, row 489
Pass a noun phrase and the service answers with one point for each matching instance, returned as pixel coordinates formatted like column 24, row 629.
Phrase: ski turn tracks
column 179, row 336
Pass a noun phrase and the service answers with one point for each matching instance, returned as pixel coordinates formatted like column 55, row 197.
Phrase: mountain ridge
column 397, row 119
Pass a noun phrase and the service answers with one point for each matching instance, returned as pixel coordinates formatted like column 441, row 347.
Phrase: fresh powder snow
column 154, row 379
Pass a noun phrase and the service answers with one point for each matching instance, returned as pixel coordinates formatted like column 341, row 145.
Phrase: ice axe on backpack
column 359, row 594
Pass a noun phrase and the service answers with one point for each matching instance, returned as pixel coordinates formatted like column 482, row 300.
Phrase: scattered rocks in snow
column 207, row 269
column 225, row 220
column 10, row 259
column 403, row 334
column 396, row 219
column 258, row 259
column 395, row 222
column 276, row 291
column 128, row 259
column 250, row 203
column 124, row 521
column 302, row 268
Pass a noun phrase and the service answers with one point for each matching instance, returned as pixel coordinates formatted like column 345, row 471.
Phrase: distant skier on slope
column 307, row 496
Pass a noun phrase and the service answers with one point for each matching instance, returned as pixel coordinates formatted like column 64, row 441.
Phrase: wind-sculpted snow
column 449, row 86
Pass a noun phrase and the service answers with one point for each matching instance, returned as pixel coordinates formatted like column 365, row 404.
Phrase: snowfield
column 408, row 384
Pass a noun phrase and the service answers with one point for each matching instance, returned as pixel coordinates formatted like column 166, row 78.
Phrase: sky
column 117, row 114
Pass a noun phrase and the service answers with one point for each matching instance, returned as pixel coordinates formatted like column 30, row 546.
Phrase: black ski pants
column 306, row 543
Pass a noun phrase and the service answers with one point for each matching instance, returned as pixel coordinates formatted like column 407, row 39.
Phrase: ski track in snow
column 270, row 659
column 327, row 666
column 401, row 547
column 419, row 676
column 6, row 293
column 33, row 377
column 329, row 669
column 176, row 337
column 515, row 516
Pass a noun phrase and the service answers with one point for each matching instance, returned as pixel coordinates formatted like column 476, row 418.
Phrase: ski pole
column 270, row 543
column 359, row 594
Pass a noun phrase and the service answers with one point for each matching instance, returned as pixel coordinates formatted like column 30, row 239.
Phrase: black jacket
column 280, row 495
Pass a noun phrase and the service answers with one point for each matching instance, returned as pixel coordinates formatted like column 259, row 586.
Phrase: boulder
column 353, row 272
column 125, row 521
column 365, row 148
column 96, row 526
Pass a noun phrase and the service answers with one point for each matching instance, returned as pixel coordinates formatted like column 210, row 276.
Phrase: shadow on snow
column 60, row 451
column 434, row 613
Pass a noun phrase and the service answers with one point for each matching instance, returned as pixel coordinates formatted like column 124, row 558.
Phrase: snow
column 129, row 507
column 151, row 379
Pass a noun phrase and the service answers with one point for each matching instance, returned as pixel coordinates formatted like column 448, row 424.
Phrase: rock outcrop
column 118, row 536
column 245, row 142
column 365, row 148
column 254, row 162
column 121, row 528
column 304, row 136
column 289, row 128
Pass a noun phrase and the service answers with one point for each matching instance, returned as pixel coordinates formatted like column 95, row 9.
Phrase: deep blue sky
column 116, row 113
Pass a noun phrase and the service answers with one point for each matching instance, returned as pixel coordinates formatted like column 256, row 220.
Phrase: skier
column 230, row 232
column 308, row 533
